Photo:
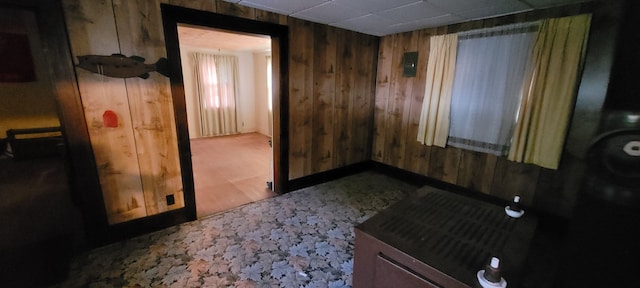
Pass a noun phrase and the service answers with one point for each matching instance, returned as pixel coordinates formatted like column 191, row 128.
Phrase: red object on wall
column 109, row 119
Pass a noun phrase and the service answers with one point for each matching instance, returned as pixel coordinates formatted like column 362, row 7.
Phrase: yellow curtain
column 433, row 128
column 544, row 114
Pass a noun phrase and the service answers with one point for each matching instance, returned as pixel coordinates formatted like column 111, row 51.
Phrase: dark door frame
column 174, row 15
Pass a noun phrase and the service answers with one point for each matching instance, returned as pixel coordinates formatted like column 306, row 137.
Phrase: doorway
column 229, row 125
column 174, row 16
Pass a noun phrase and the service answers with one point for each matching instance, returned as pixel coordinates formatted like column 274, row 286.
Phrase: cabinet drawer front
column 389, row 274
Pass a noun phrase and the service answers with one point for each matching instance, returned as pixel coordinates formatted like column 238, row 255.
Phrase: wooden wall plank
column 399, row 107
column 513, row 178
column 361, row 98
column 139, row 25
column 358, row 101
column 324, row 92
column 417, row 155
column 476, row 170
column 92, row 30
column 345, row 87
column 368, row 54
column 270, row 17
column 383, row 84
column 228, row 8
column 301, row 35
column 557, row 190
column 444, row 163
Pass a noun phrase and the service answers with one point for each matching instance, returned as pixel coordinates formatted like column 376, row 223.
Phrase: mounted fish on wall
column 121, row 66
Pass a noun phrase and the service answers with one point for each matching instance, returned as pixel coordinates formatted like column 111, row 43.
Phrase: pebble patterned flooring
column 300, row 239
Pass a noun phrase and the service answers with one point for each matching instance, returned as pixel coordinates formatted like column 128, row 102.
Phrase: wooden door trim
column 174, row 15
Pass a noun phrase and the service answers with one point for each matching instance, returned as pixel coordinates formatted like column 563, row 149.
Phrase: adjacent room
column 230, row 120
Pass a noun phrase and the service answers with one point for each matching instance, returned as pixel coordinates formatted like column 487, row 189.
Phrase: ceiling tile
column 329, row 12
column 454, row 6
column 412, row 12
column 428, row 22
column 373, row 6
column 498, row 8
column 261, row 7
column 368, row 24
column 288, row 6
column 551, row 3
column 383, row 17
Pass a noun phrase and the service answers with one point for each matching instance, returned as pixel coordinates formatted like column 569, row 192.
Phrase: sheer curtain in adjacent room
column 217, row 88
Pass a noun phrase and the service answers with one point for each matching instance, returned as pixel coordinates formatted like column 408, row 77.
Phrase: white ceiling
column 204, row 37
column 373, row 17
column 384, row 17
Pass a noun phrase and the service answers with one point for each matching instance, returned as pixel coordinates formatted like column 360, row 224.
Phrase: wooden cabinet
column 439, row 239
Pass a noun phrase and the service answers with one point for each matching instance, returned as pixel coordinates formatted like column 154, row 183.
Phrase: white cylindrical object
column 516, row 199
column 495, row 262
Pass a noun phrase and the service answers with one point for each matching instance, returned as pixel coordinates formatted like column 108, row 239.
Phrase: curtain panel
column 217, row 88
column 544, row 114
column 433, row 127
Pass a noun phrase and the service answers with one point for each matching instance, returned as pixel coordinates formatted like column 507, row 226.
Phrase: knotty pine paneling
column 417, row 155
column 365, row 48
column 324, row 93
column 270, row 17
column 92, row 30
column 331, row 80
column 301, row 97
column 398, row 103
column 383, row 80
column 476, row 170
column 330, row 95
column 233, row 9
column 139, row 25
column 344, row 99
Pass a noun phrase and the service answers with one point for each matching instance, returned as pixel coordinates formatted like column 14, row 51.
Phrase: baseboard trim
column 322, row 177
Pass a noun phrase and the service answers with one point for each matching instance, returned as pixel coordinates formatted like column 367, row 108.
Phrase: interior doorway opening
column 172, row 16
column 229, row 116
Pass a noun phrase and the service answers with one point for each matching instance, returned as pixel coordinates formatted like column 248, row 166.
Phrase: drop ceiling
column 373, row 17
column 384, row 17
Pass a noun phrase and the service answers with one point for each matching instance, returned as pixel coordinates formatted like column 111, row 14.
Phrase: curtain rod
column 518, row 28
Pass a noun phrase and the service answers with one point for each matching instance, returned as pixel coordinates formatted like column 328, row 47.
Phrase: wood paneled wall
column 332, row 82
column 332, row 72
column 137, row 161
column 398, row 103
column 331, row 90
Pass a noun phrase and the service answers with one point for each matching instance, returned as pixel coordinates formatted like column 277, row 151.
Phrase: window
column 216, row 82
column 490, row 72
column 508, row 90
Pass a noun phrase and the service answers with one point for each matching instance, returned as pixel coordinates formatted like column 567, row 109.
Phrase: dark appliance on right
column 603, row 241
